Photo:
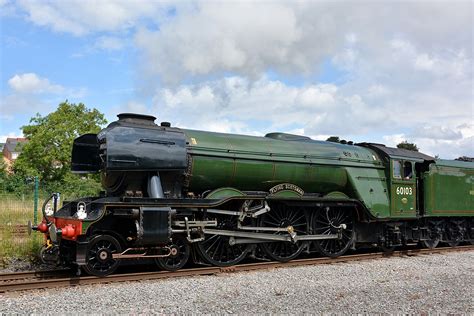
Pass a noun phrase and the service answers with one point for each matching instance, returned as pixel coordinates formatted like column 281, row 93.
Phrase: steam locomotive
column 171, row 194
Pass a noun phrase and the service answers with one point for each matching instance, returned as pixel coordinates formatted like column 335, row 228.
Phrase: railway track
column 32, row 275
column 62, row 278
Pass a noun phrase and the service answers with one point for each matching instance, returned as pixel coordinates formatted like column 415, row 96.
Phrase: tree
column 3, row 172
column 406, row 145
column 3, row 167
column 334, row 139
column 465, row 158
column 47, row 154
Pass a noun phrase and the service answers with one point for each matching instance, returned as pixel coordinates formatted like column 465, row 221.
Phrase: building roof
column 12, row 143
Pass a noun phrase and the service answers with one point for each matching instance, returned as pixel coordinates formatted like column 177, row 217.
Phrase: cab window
column 407, row 170
column 397, row 169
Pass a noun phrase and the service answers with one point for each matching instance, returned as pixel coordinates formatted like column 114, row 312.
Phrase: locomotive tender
column 171, row 194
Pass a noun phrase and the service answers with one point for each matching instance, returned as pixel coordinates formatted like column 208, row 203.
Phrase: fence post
column 35, row 214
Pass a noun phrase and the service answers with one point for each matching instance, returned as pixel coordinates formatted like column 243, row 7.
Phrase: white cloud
column 407, row 66
column 243, row 37
column 240, row 105
column 15, row 104
column 446, row 142
column 81, row 17
column 263, row 105
column 394, row 140
column 8, row 9
column 248, row 38
column 32, row 83
column 436, row 132
column 424, row 62
column 3, row 138
column 109, row 43
column 377, row 90
column 467, row 129
column 31, row 93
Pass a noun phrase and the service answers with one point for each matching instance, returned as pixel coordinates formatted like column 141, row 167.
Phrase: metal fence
column 16, row 209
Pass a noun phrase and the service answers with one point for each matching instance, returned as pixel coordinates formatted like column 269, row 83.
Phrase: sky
column 366, row 71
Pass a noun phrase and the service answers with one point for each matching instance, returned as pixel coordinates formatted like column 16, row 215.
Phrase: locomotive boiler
column 171, row 194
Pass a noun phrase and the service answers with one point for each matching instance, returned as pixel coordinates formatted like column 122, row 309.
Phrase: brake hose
column 43, row 209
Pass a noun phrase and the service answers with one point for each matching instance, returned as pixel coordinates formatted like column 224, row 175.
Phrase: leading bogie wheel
column 329, row 221
column 99, row 256
column 179, row 254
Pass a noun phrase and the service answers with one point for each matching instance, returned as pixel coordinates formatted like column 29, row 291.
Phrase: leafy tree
column 47, row 154
column 334, row 139
column 3, row 172
column 465, row 158
column 15, row 183
column 406, row 145
column 74, row 186
column 3, row 167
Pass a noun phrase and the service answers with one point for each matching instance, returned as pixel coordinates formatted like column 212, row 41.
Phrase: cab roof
column 398, row 153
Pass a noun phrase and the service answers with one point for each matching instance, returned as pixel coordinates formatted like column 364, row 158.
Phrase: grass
column 14, row 239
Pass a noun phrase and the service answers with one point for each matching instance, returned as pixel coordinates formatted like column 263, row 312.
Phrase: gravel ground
column 441, row 283
column 17, row 265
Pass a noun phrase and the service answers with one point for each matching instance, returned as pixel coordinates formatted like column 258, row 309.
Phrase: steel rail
column 140, row 276
column 39, row 274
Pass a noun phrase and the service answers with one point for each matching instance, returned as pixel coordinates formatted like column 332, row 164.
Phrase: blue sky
column 365, row 71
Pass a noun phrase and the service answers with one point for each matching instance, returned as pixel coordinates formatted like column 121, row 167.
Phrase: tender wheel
column 180, row 251
column 282, row 217
column 216, row 250
column 387, row 249
column 454, row 233
column 430, row 243
column 99, row 260
column 435, row 233
column 325, row 222
column 470, row 231
column 453, row 243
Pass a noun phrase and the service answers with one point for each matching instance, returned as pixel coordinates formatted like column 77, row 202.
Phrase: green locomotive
column 171, row 193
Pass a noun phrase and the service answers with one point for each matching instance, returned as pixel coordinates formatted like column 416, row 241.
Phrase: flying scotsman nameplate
column 286, row 186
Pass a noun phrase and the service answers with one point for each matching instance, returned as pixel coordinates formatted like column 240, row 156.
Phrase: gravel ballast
column 440, row 283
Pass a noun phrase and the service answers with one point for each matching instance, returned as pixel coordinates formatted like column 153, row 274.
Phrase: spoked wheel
column 282, row 217
column 216, row 250
column 434, row 235
column 470, row 231
column 452, row 243
column 179, row 255
column 431, row 243
column 453, row 234
column 326, row 222
column 386, row 248
column 99, row 260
